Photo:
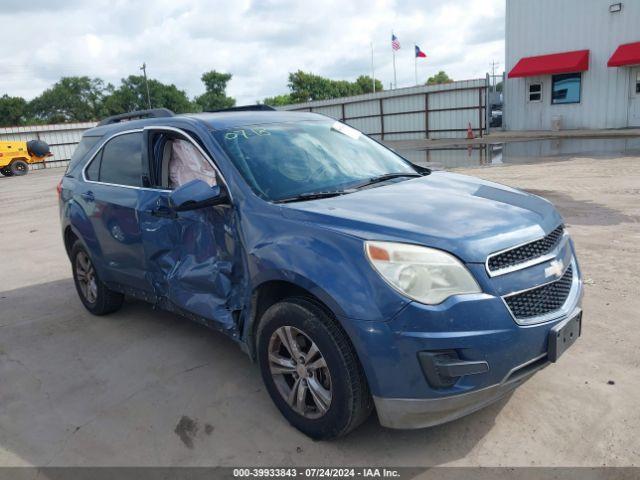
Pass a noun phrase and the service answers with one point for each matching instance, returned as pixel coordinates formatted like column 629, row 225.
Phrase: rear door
column 110, row 195
column 634, row 98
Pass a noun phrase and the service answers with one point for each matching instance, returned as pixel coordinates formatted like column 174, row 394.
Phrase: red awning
column 627, row 54
column 566, row 62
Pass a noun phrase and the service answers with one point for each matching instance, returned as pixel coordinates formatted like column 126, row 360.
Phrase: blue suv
column 355, row 279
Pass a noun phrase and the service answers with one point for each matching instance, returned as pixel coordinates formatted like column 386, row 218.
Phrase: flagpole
column 415, row 65
column 393, row 54
column 373, row 72
column 395, row 78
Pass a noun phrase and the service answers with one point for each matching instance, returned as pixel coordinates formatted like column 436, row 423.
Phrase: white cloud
column 258, row 41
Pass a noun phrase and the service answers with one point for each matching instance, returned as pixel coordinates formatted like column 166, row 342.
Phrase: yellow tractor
column 15, row 157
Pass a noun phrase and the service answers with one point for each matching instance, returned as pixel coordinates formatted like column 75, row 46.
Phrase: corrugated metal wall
column 434, row 111
column 62, row 139
column 550, row 26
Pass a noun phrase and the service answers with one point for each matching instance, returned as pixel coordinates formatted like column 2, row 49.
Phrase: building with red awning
column 572, row 65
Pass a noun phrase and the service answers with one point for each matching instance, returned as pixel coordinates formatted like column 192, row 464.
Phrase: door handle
column 163, row 212
column 88, row 196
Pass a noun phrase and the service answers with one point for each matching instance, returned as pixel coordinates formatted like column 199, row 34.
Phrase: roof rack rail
column 243, row 108
column 138, row 114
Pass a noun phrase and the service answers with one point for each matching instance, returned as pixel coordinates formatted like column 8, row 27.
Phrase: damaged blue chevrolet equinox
column 356, row 280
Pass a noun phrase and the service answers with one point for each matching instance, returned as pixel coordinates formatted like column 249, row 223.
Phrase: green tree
column 13, row 111
column 215, row 95
column 132, row 95
column 306, row 87
column 440, row 77
column 366, row 85
column 71, row 99
column 278, row 100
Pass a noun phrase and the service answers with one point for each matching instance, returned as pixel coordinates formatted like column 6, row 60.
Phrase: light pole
column 146, row 83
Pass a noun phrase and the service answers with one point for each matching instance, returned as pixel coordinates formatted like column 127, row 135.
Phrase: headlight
column 423, row 274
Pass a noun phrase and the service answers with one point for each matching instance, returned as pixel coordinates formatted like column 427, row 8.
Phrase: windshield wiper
column 313, row 195
column 384, row 178
column 352, row 188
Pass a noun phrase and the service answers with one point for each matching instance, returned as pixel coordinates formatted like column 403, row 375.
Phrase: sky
column 258, row 41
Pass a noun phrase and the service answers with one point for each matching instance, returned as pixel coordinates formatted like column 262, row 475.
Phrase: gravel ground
column 143, row 387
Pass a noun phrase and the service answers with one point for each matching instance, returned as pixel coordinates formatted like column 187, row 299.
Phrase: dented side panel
column 194, row 260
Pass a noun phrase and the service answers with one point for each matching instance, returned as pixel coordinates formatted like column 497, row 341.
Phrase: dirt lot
column 142, row 387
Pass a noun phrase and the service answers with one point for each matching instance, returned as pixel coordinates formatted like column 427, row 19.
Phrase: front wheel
column 6, row 171
column 19, row 167
column 94, row 294
column 311, row 370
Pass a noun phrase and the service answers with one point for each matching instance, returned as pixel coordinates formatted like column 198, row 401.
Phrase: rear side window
column 93, row 170
column 119, row 162
column 81, row 150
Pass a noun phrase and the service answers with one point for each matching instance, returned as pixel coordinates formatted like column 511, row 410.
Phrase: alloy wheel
column 300, row 372
column 86, row 277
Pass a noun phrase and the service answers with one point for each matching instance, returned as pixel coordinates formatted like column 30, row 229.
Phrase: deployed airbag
column 187, row 163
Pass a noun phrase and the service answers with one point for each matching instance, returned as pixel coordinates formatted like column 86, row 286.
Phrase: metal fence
column 433, row 111
column 62, row 139
column 426, row 111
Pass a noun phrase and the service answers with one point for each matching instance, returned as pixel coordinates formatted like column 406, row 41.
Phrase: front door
column 634, row 99
column 193, row 258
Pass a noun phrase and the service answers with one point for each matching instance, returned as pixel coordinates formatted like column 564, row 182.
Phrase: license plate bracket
column 563, row 335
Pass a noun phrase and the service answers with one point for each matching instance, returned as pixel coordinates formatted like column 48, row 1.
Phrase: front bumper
column 477, row 329
column 408, row 413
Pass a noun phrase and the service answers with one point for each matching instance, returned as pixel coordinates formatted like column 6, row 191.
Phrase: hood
column 465, row 216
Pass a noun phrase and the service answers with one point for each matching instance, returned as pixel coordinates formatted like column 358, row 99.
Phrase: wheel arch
column 272, row 291
column 69, row 238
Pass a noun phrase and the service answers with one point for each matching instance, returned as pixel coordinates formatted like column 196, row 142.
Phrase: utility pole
column 146, row 83
column 494, row 65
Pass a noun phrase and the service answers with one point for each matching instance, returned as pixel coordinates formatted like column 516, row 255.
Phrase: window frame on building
column 564, row 76
column 537, row 83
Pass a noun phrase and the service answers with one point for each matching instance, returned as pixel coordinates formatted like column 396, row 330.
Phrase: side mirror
column 196, row 194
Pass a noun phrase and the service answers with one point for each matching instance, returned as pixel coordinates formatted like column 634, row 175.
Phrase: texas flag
column 420, row 53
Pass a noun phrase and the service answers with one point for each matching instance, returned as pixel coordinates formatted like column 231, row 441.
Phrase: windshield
column 285, row 160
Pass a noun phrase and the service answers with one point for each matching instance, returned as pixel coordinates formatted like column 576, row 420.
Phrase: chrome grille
column 525, row 253
column 541, row 300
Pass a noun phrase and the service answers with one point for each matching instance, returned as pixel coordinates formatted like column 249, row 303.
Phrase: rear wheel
column 94, row 294
column 311, row 370
column 19, row 167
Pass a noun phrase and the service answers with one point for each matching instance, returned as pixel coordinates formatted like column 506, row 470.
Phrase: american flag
column 395, row 43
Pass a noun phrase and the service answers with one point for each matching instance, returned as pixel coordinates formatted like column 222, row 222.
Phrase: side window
column 121, row 161
column 93, row 170
column 566, row 88
column 178, row 161
column 187, row 164
column 535, row 92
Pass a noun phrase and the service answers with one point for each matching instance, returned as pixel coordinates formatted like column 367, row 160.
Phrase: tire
column 341, row 378
column 19, row 167
column 95, row 297
column 6, row 171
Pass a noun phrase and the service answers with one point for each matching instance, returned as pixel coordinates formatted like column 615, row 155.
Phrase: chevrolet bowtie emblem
column 555, row 268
